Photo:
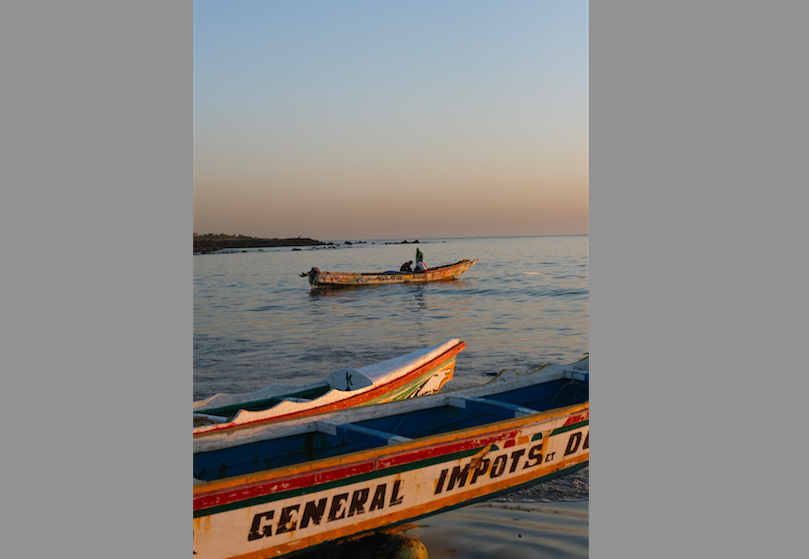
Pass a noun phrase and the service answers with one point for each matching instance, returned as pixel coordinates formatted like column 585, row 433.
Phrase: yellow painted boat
column 297, row 485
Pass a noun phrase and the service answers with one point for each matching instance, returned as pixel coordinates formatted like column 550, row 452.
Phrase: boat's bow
column 418, row 373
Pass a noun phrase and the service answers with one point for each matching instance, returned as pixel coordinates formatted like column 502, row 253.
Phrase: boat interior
column 324, row 438
column 394, row 272
column 228, row 412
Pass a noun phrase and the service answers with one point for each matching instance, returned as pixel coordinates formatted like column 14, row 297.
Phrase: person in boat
column 420, row 267
column 419, row 256
column 406, row 266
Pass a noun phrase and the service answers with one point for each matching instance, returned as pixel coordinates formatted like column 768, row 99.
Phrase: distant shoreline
column 211, row 243
column 208, row 244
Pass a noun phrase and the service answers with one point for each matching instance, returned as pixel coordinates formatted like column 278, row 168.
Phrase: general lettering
column 342, row 505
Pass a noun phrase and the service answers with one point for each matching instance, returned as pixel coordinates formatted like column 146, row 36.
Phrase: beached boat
column 418, row 373
column 308, row 483
column 318, row 278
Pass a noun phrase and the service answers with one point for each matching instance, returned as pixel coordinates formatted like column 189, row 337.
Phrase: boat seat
column 356, row 433
column 489, row 406
column 205, row 418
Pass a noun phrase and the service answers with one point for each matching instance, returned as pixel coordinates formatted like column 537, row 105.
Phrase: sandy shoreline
column 573, row 487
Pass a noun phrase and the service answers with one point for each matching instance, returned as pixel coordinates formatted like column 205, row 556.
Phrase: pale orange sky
column 388, row 122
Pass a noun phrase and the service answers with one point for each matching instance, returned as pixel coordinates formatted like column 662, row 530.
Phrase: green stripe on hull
column 408, row 389
column 570, row 427
column 363, row 477
column 338, row 483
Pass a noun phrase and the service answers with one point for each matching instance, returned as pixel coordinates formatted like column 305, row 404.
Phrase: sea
column 256, row 321
column 524, row 304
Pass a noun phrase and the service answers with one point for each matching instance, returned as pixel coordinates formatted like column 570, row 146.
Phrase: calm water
column 512, row 530
column 525, row 303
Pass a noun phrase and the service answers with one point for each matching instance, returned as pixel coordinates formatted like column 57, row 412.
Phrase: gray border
column 697, row 116
column 698, row 112
column 96, row 212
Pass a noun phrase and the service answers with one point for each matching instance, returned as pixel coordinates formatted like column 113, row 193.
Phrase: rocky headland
column 206, row 244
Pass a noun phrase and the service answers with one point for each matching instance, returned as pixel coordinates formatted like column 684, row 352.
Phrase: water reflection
column 418, row 296
column 316, row 292
column 323, row 292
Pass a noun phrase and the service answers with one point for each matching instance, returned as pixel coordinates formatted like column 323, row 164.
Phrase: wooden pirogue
column 418, row 373
column 296, row 485
column 318, row 278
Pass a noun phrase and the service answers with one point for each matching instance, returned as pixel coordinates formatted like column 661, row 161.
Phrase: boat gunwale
column 310, row 479
column 498, row 430
column 412, row 273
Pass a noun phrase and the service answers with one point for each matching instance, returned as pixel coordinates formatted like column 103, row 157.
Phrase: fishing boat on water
column 307, row 483
column 318, row 278
column 418, row 373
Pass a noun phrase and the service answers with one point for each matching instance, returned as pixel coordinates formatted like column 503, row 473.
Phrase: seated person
column 420, row 268
column 406, row 266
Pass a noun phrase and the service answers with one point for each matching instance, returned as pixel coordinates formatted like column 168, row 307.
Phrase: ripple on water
column 257, row 322
column 513, row 530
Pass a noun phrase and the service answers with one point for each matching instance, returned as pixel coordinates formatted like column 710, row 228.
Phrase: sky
column 411, row 119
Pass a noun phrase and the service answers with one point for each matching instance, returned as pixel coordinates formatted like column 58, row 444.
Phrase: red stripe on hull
column 577, row 418
column 249, row 491
column 258, row 489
